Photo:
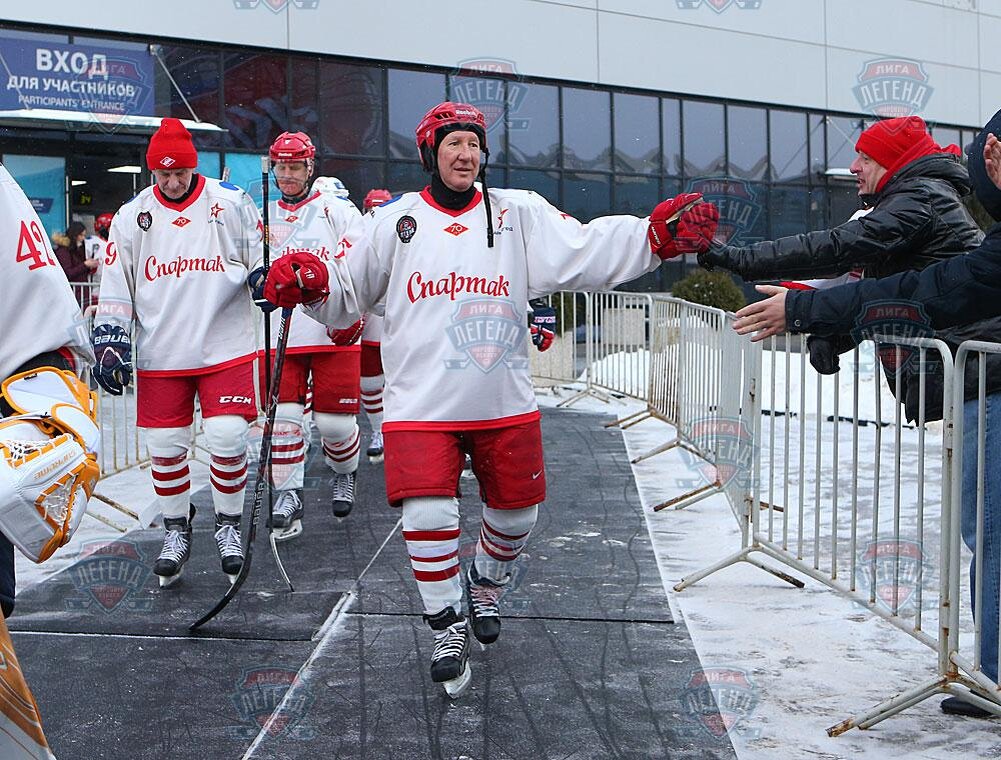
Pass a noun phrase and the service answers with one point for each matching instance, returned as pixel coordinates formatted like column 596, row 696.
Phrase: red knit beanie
column 894, row 143
column 170, row 147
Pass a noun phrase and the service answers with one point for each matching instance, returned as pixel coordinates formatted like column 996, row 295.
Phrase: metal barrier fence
column 826, row 477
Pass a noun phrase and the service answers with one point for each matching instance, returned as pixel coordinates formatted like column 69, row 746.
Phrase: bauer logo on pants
column 487, row 331
column 110, row 576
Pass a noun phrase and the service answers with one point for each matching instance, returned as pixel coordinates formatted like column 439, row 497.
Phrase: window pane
column 546, row 184
column 842, row 134
column 790, row 147
column 411, row 95
column 302, row 94
column 358, row 176
column 209, row 164
column 534, row 130
column 817, row 148
column 818, row 209
column 671, row 113
column 254, row 87
column 245, row 172
column 352, row 111
column 747, row 138
column 637, row 142
column 636, row 195
column 197, row 74
column 587, row 134
column 489, row 95
column 586, row 196
column 405, row 178
column 704, row 154
column 789, row 210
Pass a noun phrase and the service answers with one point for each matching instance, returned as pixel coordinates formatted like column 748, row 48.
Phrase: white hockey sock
column 431, row 530
column 503, row 534
column 341, row 444
column 288, row 448
column 226, row 436
column 371, row 399
column 168, row 453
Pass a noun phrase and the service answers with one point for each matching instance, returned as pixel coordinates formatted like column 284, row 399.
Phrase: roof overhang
column 50, row 118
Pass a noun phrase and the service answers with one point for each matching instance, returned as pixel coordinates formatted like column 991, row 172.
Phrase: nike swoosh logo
column 536, row 475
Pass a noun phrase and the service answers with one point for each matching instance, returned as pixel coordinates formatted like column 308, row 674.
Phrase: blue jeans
column 988, row 614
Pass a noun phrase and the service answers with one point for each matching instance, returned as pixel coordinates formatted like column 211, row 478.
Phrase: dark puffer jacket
column 917, row 219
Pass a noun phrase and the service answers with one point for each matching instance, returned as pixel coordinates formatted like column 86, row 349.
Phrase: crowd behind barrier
column 824, row 476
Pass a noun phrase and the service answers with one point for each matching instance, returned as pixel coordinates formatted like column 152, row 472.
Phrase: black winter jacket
column 917, row 219
column 964, row 291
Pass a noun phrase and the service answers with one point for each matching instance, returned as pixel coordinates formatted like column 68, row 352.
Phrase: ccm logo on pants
column 235, row 400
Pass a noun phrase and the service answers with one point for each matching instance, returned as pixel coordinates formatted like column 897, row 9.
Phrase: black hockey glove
column 255, row 281
column 113, row 350
column 543, row 328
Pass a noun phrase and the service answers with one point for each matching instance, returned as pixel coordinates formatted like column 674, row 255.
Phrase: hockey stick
column 260, row 484
column 266, row 214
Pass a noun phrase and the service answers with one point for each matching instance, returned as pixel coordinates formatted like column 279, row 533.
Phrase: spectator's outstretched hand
column 992, row 159
column 764, row 318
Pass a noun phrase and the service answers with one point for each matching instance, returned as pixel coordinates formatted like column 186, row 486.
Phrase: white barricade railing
column 558, row 365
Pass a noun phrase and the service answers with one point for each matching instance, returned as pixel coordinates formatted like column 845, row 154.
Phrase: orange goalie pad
column 21, row 736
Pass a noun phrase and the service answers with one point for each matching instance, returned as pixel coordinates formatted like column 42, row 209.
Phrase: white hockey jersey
column 39, row 312
column 181, row 271
column 94, row 248
column 317, row 225
column 454, row 342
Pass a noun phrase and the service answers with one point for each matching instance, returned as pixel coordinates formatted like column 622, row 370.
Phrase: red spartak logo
column 291, row 217
column 455, row 229
column 181, row 221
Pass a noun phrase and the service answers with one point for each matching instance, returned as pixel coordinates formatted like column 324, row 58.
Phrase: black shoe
column 957, row 706
column 484, row 597
column 451, row 645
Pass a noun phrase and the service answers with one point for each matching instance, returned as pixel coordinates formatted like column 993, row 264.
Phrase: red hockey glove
column 696, row 228
column 663, row 221
column 543, row 326
column 296, row 278
column 346, row 336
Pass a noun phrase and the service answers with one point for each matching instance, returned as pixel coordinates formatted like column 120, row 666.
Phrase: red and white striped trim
column 171, row 475
column 342, row 451
column 372, row 402
column 229, row 474
column 434, row 554
column 491, row 538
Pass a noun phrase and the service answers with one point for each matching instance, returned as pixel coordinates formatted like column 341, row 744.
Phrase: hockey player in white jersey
column 48, row 434
column 372, row 378
column 177, row 264
column 455, row 268
column 306, row 219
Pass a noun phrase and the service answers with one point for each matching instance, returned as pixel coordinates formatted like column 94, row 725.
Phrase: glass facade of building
column 590, row 150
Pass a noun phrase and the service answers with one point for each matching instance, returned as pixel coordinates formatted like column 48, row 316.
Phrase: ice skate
column 286, row 517
column 227, row 538
column 343, row 498
column 450, row 657
column 176, row 549
column 374, row 450
column 484, row 605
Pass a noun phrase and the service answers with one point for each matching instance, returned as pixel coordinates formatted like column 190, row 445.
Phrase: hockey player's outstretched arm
column 564, row 254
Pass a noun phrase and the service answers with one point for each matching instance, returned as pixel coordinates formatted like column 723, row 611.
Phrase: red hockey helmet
column 292, row 146
column 102, row 224
column 376, row 197
column 443, row 118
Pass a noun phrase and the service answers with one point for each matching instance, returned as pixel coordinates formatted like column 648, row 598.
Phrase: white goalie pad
column 48, row 460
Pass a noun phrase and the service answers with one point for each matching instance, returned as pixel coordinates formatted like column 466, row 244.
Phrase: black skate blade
column 456, row 687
